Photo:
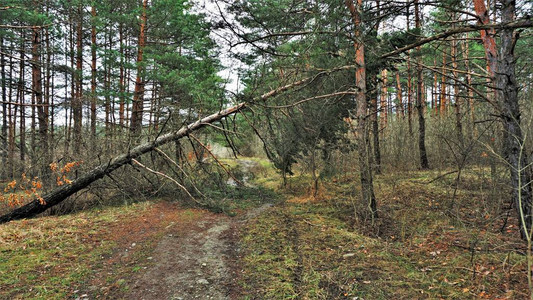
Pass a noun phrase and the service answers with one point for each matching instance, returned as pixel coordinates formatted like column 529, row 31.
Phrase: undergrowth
column 430, row 242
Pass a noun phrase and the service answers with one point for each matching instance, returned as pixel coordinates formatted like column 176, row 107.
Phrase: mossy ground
column 434, row 239
column 426, row 243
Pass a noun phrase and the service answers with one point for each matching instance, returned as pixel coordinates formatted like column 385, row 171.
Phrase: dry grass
column 417, row 249
column 84, row 253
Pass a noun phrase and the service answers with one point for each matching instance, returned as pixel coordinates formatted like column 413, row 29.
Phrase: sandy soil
column 201, row 263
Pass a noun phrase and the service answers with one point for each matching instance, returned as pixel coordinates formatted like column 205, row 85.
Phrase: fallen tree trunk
column 60, row 194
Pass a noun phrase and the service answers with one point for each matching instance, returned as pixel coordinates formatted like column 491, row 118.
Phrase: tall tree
column 367, row 187
column 138, row 96
column 514, row 146
column 424, row 164
column 93, row 75
column 77, row 101
column 3, row 86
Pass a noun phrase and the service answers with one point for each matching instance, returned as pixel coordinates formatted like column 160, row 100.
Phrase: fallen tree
column 59, row 194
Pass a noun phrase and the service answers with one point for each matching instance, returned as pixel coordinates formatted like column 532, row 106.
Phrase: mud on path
column 200, row 262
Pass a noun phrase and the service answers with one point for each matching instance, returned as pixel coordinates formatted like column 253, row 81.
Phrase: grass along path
column 146, row 250
column 306, row 248
column 418, row 249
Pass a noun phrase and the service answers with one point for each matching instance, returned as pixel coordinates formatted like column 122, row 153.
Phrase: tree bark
column 471, row 109
column 93, row 77
column 507, row 91
column 383, row 108
column 487, row 35
column 457, row 97
column 42, row 108
column 121, row 80
column 424, row 164
column 399, row 94
column 78, row 98
column 21, row 95
column 367, row 188
column 4, row 108
column 443, row 100
column 137, row 109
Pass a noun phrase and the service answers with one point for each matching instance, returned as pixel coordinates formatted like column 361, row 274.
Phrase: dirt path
column 201, row 263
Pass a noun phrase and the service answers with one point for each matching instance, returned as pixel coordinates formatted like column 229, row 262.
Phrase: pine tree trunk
column 507, row 91
column 93, row 77
column 48, row 85
column 11, row 108
column 138, row 96
column 424, row 164
column 77, row 103
column 42, row 108
column 409, row 77
column 383, row 101
column 367, row 188
column 399, row 94
column 471, row 108
column 374, row 123
column 22, row 107
column 121, row 80
column 443, row 95
column 456, row 95
column 107, row 88
column 434, row 95
column 3, row 79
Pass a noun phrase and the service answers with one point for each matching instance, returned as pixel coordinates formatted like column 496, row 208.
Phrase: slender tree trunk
column 375, row 128
column 367, row 188
column 456, row 94
column 3, row 79
column 434, row 95
column 48, row 85
column 51, row 102
column 32, row 150
column 121, row 80
column 409, row 76
column 68, row 108
column 443, row 99
column 137, row 110
column 22, row 108
column 383, row 100
column 157, row 107
column 399, row 94
column 78, row 98
column 93, row 77
column 424, row 164
column 42, row 108
column 12, row 123
column 107, row 87
column 471, row 109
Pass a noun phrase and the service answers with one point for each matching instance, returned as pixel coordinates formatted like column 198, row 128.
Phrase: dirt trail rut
column 200, row 263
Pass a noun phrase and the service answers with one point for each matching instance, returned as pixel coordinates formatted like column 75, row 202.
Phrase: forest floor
column 434, row 239
column 143, row 251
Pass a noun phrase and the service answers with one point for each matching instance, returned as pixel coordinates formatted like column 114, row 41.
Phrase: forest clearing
column 295, row 149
